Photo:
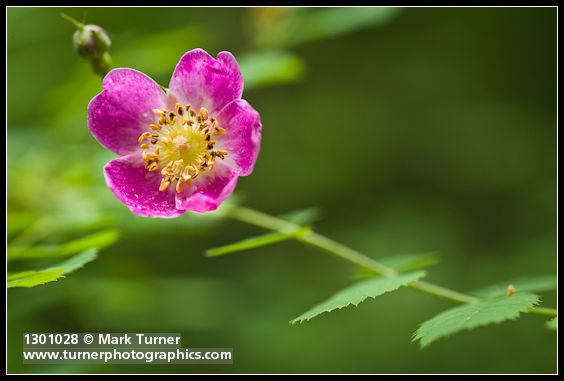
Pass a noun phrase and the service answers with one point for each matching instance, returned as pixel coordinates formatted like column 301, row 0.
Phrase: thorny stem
column 268, row 222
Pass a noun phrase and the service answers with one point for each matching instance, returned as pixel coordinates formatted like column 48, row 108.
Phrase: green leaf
column 536, row 283
column 303, row 25
column 358, row 292
column 403, row 263
column 34, row 278
column 469, row 316
column 28, row 252
column 251, row 243
column 77, row 261
column 552, row 324
column 97, row 240
column 271, row 67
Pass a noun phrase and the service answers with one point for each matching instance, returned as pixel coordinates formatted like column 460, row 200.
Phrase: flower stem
column 254, row 217
column 76, row 23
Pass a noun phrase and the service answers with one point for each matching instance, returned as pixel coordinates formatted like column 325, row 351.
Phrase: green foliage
column 141, row 49
column 298, row 26
column 19, row 221
column 529, row 283
column 486, row 311
column 34, row 278
column 77, row 261
column 254, row 242
column 358, row 292
column 552, row 324
column 97, row 240
column 270, row 67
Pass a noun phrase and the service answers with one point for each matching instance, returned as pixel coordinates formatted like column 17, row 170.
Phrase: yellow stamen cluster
column 181, row 141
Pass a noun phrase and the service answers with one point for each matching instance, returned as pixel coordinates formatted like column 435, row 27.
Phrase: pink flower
column 180, row 150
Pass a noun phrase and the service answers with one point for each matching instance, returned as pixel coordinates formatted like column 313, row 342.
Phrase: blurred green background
column 413, row 129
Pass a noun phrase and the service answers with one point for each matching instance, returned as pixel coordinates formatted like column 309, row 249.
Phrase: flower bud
column 91, row 41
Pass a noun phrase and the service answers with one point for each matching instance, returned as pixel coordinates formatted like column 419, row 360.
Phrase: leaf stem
column 254, row 217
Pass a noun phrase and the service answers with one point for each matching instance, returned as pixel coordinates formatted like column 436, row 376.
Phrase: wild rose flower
column 180, row 150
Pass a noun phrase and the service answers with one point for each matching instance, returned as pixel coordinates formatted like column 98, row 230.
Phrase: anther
column 203, row 113
column 179, row 185
column 179, row 109
column 166, row 168
column 219, row 130
column 164, row 184
column 144, row 136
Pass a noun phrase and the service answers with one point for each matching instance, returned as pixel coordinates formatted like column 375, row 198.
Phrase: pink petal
column 207, row 191
column 138, row 188
column 243, row 134
column 124, row 109
column 202, row 81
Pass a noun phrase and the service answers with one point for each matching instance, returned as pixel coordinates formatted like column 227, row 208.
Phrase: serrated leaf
column 34, row 278
column 552, row 324
column 536, row 283
column 97, row 240
column 469, row 316
column 77, row 261
column 358, row 292
column 403, row 263
column 254, row 242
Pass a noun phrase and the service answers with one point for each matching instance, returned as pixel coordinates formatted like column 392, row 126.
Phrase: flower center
column 182, row 143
